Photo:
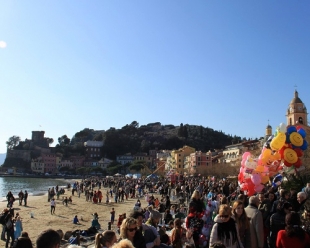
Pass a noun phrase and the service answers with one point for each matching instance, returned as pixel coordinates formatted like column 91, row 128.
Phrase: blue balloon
column 304, row 145
column 287, row 141
column 302, row 132
column 291, row 129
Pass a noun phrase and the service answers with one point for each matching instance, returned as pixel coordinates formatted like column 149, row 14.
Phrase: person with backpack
column 9, row 230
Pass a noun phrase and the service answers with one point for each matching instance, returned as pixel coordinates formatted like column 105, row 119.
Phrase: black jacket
column 277, row 223
column 23, row 243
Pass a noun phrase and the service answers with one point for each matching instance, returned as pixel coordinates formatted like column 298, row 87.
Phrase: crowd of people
column 195, row 212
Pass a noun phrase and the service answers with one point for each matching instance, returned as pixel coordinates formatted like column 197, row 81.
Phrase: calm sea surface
column 34, row 186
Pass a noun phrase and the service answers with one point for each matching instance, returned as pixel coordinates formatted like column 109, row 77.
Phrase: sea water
column 34, row 186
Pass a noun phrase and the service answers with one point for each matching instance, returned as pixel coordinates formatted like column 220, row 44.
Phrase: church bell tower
column 296, row 112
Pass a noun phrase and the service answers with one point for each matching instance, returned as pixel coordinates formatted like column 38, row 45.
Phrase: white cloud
column 2, row 44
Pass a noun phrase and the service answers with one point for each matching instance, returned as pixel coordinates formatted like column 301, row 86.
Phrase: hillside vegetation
column 133, row 138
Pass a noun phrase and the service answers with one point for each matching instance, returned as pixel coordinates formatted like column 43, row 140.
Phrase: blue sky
column 227, row 65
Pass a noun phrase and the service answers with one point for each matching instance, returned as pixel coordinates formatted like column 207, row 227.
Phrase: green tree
column 13, row 142
column 63, row 140
column 114, row 169
column 97, row 170
column 50, row 141
column 180, row 131
column 137, row 165
column 185, row 133
column 82, row 170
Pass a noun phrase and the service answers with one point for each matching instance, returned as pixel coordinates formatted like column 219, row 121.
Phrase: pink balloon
column 258, row 188
column 243, row 162
column 256, row 179
column 245, row 155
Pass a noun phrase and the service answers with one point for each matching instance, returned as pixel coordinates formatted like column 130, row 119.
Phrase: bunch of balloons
column 284, row 148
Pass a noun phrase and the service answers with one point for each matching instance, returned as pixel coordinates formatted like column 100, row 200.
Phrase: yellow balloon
column 290, row 156
column 260, row 168
column 278, row 142
column 265, row 179
column 266, row 153
column 296, row 139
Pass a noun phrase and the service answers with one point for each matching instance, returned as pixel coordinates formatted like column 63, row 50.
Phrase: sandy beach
column 62, row 219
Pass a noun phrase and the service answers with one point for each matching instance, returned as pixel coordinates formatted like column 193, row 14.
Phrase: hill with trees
column 133, row 138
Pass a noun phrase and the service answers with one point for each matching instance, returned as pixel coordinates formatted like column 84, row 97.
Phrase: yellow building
column 179, row 157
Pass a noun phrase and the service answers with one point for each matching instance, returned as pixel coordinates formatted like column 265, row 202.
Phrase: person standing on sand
column 53, row 206
column 20, row 197
column 25, row 198
column 112, row 216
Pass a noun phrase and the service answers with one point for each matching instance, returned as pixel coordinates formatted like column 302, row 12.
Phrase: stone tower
column 296, row 112
column 297, row 115
column 268, row 131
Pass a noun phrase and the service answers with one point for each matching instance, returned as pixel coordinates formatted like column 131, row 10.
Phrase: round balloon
column 298, row 152
column 296, row 139
column 282, row 128
column 256, row 179
column 265, row 179
column 291, row 129
column 304, row 145
column 298, row 163
column 258, row 188
column 245, row 155
column 302, row 132
column 290, row 156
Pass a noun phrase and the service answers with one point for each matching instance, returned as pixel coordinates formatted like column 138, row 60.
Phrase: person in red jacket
column 293, row 235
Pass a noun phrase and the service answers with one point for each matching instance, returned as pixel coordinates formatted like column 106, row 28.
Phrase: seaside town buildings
column 182, row 160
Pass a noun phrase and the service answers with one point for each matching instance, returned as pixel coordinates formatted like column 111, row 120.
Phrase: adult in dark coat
column 196, row 208
column 23, row 241
column 277, row 221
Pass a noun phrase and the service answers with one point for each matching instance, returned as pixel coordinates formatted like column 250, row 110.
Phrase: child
column 112, row 216
column 76, row 220
column 65, row 201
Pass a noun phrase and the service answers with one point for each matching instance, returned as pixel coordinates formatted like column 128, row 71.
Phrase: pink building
column 49, row 161
column 199, row 158
column 77, row 161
